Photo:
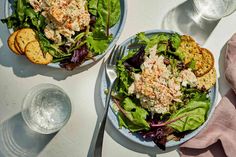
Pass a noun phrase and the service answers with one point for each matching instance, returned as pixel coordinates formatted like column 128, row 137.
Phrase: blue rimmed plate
column 115, row 30
column 112, row 115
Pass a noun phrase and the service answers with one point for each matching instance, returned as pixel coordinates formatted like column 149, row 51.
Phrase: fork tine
column 122, row 52
column 111, row 54
column 114, row 57
column 119, row 54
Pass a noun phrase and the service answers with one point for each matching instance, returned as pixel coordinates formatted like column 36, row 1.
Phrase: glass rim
column 231, row 8
column 30, row 94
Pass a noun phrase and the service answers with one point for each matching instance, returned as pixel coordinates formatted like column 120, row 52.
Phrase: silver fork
column 110, row 70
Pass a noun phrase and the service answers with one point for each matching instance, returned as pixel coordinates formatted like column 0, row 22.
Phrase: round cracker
column 11, row 43
column 18, row 48
column 34, row 53
column 207, row 81
column 191, row 51
column 24, row 36
column 207, row 63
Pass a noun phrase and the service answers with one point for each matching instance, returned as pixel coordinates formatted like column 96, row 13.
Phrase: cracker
column 18, row 48
column 34, row 53
column 191, row 51
column 207, row 63
column 11, row 43
column 24, row 36
column 207, row 81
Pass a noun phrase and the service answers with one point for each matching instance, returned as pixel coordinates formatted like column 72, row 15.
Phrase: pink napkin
column 218, row 139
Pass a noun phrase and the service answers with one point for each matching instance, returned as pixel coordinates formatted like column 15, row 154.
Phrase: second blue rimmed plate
column 135, row 137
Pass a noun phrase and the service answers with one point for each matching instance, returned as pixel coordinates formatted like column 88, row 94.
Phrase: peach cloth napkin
column 218, row 139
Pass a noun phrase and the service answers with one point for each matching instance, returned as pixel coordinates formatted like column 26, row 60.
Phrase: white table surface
column 18, row 75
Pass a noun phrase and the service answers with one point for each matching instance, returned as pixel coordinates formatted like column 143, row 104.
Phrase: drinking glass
column 214, row 9
column 46, row 108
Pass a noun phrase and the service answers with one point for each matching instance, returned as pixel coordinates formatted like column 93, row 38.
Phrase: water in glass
column 214, row 9
column 46, row 108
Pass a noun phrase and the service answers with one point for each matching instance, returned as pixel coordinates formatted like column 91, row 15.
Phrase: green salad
column 157, row 95
column 71, row 31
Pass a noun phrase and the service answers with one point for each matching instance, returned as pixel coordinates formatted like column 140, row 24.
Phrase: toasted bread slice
column 208, row 80
column 34, row 53
column 207, row 63
column 191, row 51
column 11, row 43
column 24, row 36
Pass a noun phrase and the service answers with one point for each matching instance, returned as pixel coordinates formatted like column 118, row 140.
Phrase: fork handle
column 101, row 127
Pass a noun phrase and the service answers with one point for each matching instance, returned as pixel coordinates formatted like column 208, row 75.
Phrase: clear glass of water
column 214, row 9
column 46, row 108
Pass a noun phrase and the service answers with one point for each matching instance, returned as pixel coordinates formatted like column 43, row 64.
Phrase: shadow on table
column 22, row 67
column 113, row 132
column 18, row 140
column 183, row 19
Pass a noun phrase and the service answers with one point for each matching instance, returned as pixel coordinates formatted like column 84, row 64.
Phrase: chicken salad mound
column 157, row 86
column 63, row 17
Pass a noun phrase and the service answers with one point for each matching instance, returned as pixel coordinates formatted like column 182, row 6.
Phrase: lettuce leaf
column 162, row 47
column 175, row 41
column 136, row 60
column 161, row 40
column 96, row 46
column 107, row 14
column 154, row 40
column 149, row 42
column 132, row 117
column 166, row 43
column 53, row 49
column 141, row 37
column 179, row 54
column 106, row 11
column 24, row 16
column 192, row 64
column 115, row 12
column 124, row 75
column 93, row 6
column 193, row 115
column 124, row 79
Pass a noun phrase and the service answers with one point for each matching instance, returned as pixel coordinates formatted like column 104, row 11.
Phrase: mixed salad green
column 182, row 116
column 85, row 44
